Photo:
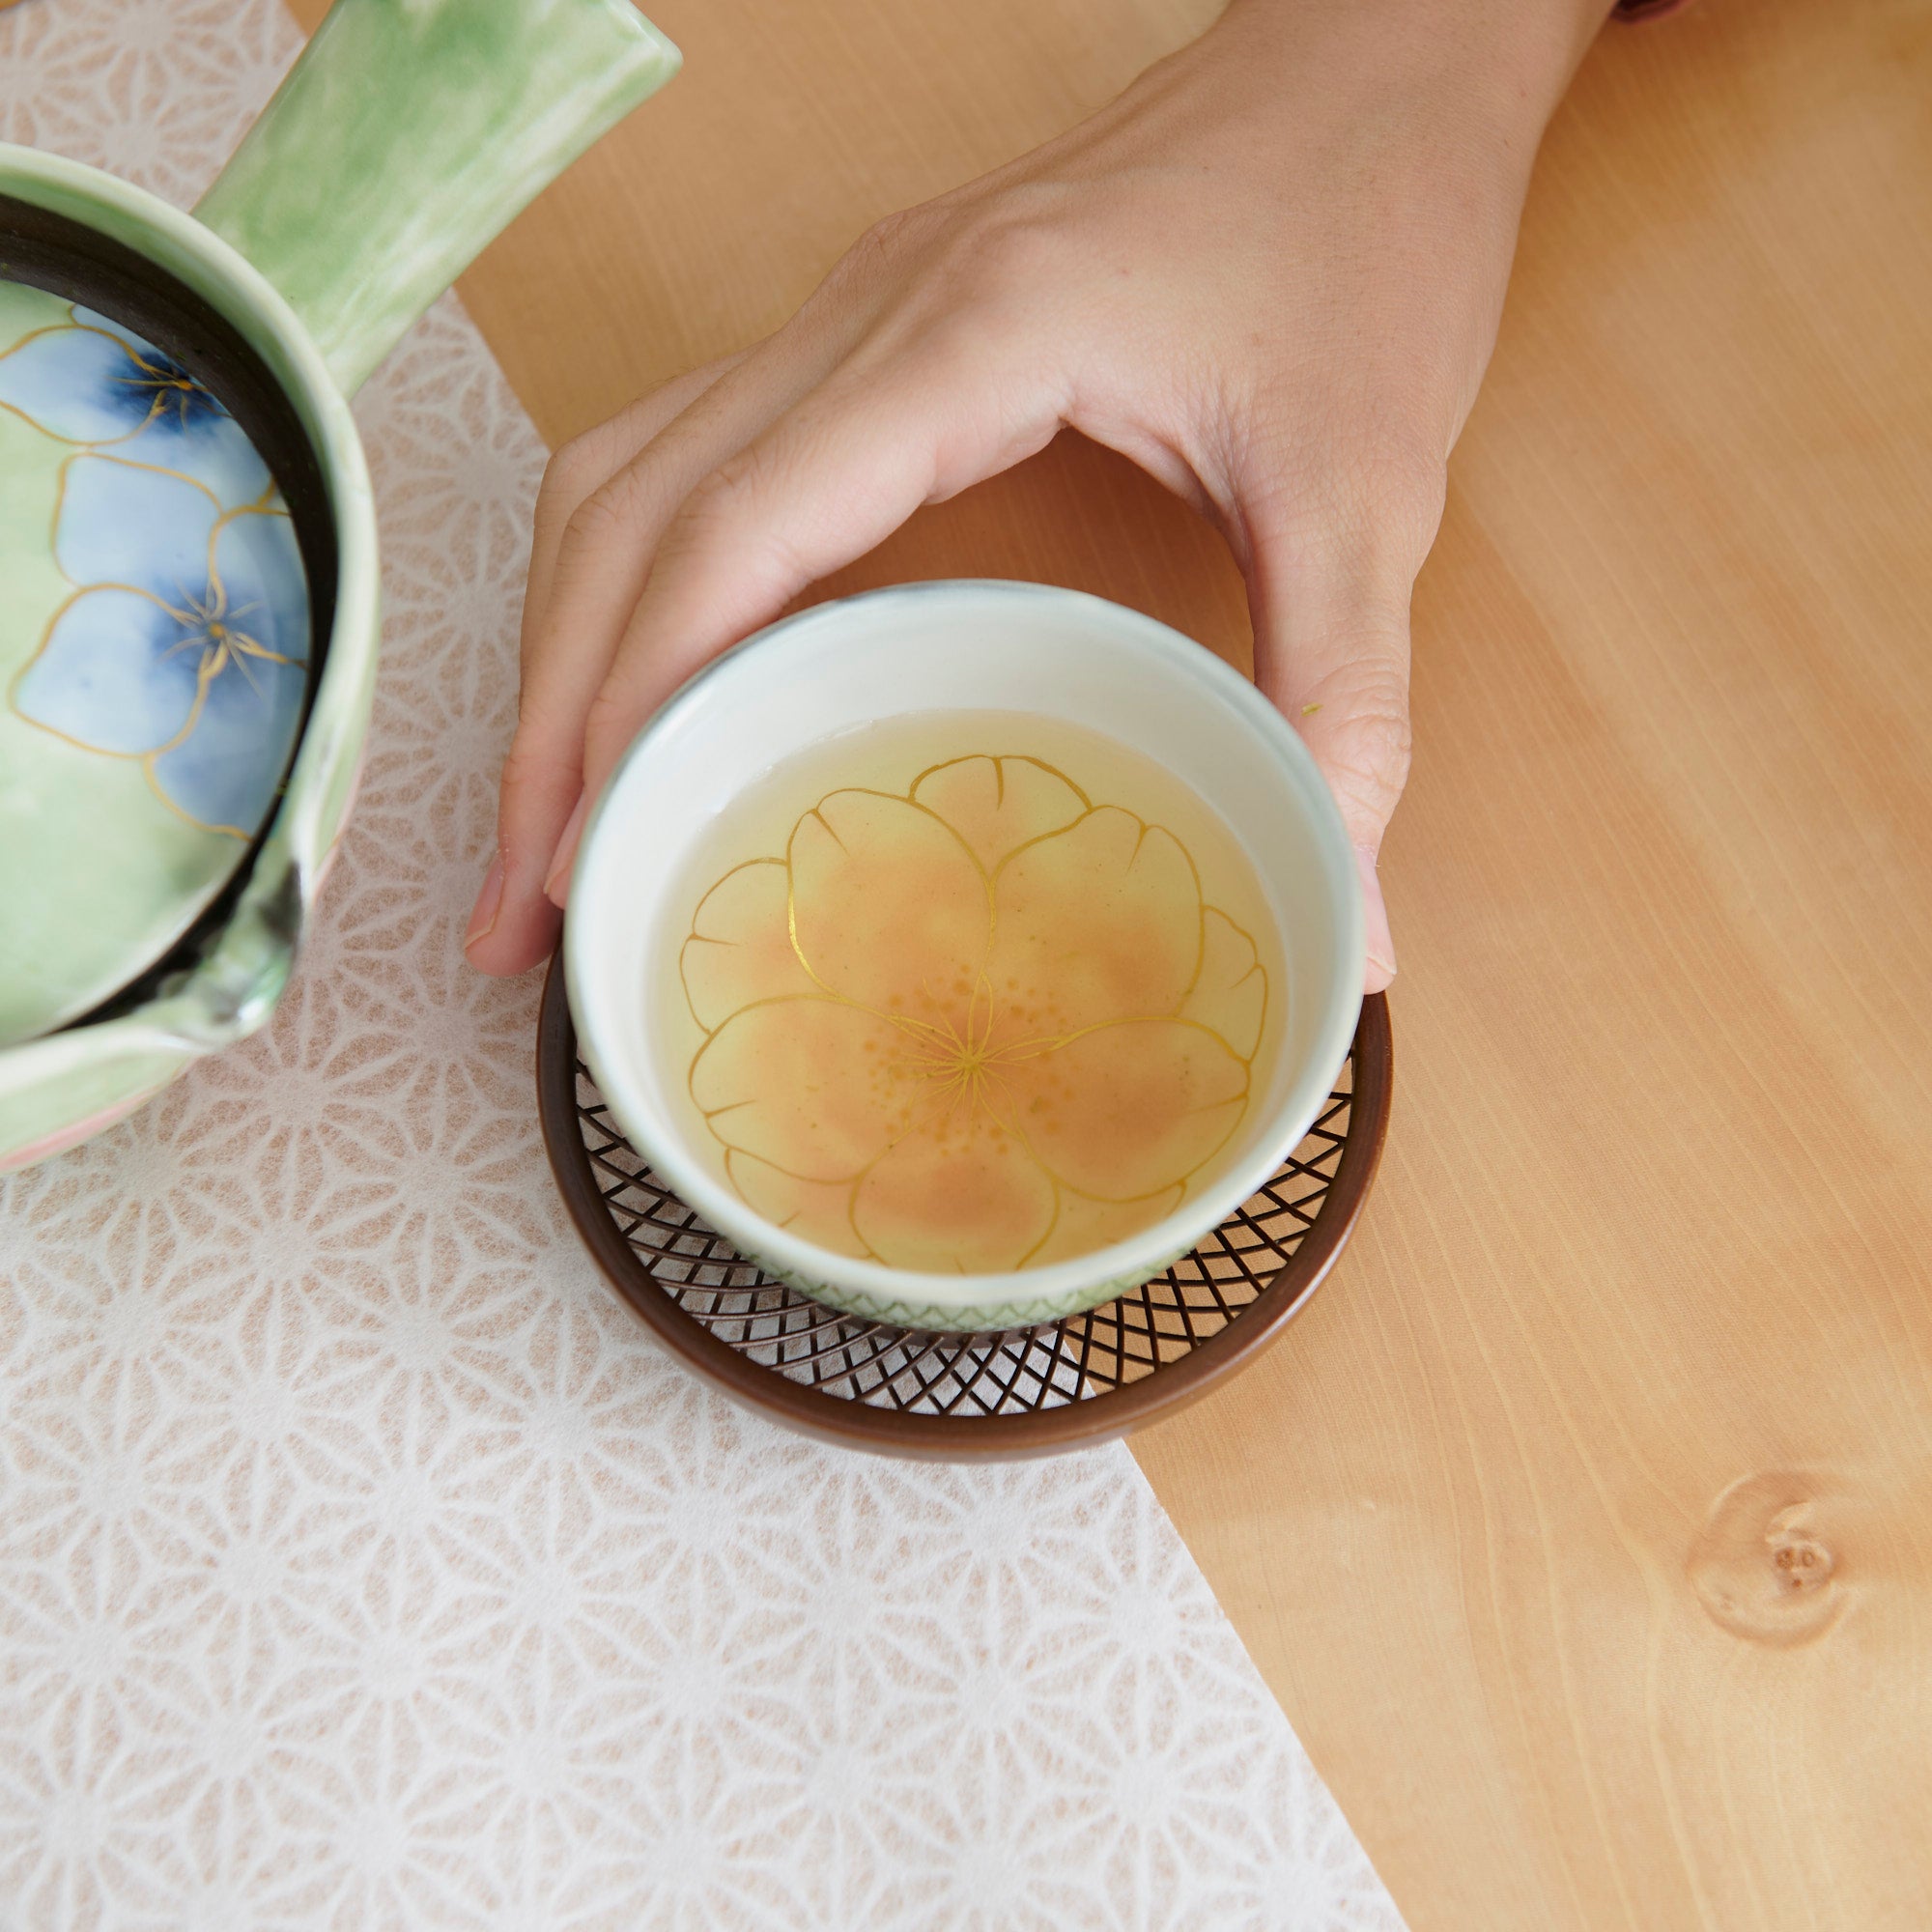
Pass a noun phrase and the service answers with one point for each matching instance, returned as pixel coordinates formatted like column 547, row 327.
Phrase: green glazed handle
column 408, row 134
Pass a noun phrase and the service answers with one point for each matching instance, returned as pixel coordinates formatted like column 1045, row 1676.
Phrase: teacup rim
column 1140, row 1254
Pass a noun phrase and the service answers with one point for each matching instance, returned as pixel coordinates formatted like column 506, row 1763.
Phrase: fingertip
column 523, row 936
column 556, row 881
column 513, row 928
column 489, row 904
column 1379, row 944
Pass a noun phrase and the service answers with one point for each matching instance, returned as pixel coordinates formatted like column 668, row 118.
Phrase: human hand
column 1271, row 273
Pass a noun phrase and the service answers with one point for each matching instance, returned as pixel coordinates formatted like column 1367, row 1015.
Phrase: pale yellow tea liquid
column 969, row 992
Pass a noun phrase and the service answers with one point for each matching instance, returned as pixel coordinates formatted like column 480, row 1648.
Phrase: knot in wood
column 1762, row 1567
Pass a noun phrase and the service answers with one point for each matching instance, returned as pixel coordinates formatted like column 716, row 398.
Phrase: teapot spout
column 408, row 134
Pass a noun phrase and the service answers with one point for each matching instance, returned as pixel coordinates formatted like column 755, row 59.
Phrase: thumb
column 1331, row 650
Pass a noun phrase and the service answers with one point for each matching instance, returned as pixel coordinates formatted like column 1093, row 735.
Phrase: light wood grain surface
column 1584, row 1524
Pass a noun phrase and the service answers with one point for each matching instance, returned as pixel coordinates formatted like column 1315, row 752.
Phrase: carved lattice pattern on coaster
column 1013, row 1374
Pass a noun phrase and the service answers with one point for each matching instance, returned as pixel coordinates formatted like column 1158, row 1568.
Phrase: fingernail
column 489, row 904
column 1379, row 946
column 557, row 879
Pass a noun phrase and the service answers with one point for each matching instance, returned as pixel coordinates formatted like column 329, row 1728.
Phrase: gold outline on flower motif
column 73, row 325
column 226, row 644
column 964, row 1068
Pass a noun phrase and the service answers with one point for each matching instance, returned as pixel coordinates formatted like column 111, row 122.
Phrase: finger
column 1332, row 651
column 574, row 470
column 1355, row 721
column 602, row 556
column 836, row 475
column 586, row 462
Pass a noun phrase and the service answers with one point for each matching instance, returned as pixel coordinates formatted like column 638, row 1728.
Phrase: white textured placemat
column 362, row 1563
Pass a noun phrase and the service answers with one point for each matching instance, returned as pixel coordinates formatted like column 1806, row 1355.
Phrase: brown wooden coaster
column 963, row 1398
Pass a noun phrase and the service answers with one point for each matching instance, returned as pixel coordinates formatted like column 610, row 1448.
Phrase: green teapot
column 188, row 586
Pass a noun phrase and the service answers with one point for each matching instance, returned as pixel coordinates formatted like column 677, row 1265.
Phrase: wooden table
column 1584, row 1524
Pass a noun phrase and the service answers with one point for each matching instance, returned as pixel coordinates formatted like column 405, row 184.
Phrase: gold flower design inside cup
column 986, row 1024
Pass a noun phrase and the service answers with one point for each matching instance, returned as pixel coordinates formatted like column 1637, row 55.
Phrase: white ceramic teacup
column 961, row 646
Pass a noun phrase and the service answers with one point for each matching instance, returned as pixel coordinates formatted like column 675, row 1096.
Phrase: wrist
column 1502, row 65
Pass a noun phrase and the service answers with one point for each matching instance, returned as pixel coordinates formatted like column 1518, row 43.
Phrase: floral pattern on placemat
column 362, row 1562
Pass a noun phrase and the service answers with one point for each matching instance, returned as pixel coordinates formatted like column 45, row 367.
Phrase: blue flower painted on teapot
column 184, row 642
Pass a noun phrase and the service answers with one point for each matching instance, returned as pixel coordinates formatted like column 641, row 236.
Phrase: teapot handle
column 408, row 134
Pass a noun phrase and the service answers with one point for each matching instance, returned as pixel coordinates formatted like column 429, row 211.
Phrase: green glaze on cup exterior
column 405, row 136
column 967, row 1318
